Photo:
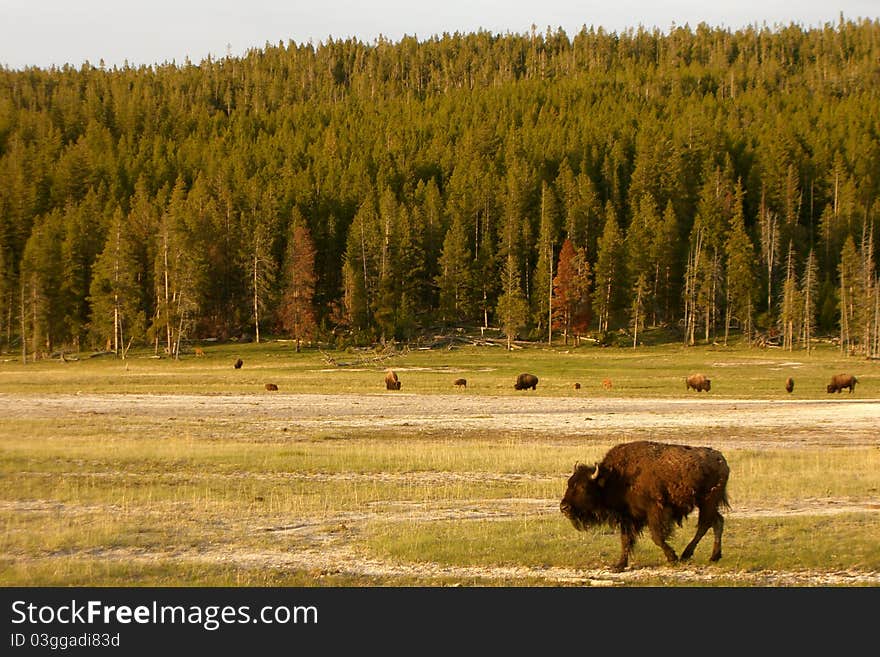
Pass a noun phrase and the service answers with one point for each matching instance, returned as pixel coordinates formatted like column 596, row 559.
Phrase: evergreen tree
column 809, row 294
column 455, row 280
column 512, row 309
column 740, row 259
column 791, row 305
column 542, row 296
column 608, row 270
column 850, row 295
column 114, row 294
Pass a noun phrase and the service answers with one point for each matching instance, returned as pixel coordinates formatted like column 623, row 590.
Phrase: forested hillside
column 710, row 181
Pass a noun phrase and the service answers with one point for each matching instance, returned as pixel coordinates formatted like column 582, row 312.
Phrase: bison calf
column 525, row 381
column 650, row 484
column 698, row 382
column 841, row 381
column 606, row 383
column 391, row 380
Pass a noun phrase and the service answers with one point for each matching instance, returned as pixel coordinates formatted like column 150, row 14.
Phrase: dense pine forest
column 719, row 184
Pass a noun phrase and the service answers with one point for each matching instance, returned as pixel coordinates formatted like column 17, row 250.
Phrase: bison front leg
column 627, row 541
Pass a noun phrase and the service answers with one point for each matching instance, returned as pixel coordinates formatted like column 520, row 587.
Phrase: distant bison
column 789, row 384
column 841, row 381
column 525, row 381
column 391, row 380
column 698, row 382
column 577, row 386
column 461, row 383
column 606, row 383
column 650, row 484
column 199, row 351
column 271, row 387
column 237, row 365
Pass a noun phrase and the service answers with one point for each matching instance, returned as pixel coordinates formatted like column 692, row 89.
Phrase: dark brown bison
column 391, row 380
column 789, row 384
column 237, row 364
column 841, row 381
column 577, row 386
column 650, row 484
column 271, row 387
column 525, row 381
column 461, row 383
column 698, row 382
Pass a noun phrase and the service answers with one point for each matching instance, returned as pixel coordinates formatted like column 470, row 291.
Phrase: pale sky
column 56, row 32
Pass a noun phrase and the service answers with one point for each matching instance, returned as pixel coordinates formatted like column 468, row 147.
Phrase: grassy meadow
column 99, row 499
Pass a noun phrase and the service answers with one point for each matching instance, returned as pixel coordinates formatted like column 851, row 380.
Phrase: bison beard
column 650, row 484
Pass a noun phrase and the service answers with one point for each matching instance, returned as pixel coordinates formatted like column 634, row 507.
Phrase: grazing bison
column 789, row 384
column 698, row 382
column 577, row 386
column 841, row 381
column 606, row 383
column 460, row 383
column 525, row 381
column 271, row 387
column 650, row 484
column 391, row 380
column 237, row 364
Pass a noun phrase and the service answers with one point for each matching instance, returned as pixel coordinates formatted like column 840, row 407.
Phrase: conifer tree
column 608, row 270
column 571, row 289
column 114, row 294
column 848, row 271
column 297, row 311
column 740, row 259
column 512, row 308
column 455, row 281
column 809, row 294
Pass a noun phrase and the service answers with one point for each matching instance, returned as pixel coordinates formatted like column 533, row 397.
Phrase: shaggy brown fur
column 271, row 387
column 698, row 382
column 237, row 364
column 789, row 384
column 461, row 383
column 650, row 484
column 525, row 381
column 391, row 380
column 841, row 381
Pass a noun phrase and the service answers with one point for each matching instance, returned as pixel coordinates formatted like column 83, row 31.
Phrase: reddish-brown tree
column 297, row 312
column 571, row 289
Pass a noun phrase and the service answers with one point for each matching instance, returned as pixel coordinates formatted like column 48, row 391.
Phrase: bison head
column 582, row 503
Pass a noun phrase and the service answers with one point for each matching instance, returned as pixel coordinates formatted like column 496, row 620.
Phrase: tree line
column 720, row 183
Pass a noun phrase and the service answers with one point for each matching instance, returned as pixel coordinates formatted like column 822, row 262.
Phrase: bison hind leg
column 709, row 517
column 661, row 528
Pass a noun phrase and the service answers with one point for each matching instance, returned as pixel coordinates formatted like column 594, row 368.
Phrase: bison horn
column 595, row 474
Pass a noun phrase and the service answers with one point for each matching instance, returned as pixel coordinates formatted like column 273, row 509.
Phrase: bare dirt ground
column 835, row 421
column 323, row 546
